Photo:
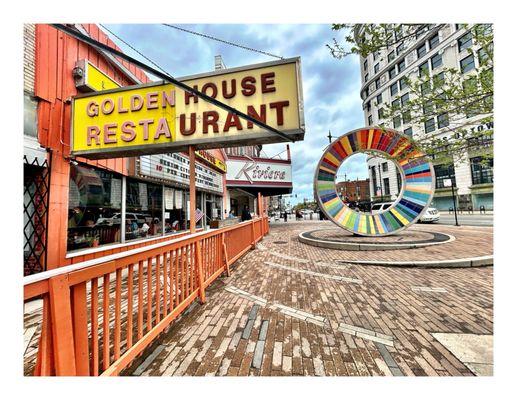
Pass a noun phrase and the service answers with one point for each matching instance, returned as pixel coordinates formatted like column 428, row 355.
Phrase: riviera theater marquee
column 160, row 118
column 248, row 172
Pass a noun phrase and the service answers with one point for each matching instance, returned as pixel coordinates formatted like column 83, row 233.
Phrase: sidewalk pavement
column 292, row 309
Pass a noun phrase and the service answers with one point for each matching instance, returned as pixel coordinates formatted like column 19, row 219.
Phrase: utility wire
column 134, row 49
column 223, row 41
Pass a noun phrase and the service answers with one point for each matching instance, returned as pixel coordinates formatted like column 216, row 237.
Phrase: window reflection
column 94, row 207
column 143, row 209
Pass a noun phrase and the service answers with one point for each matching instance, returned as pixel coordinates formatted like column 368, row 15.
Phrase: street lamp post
column 453, row 195
column 380, row 181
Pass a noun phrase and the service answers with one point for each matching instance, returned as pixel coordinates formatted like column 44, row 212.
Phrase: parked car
column 431, row 214
column 115, row 219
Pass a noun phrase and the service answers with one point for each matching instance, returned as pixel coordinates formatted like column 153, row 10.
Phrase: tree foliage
column 444, row 98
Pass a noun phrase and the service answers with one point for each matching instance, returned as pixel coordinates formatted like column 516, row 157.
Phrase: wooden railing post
column 261, row 211
column 80, row 324
column 62, row 328
column 200, row 273
column 253, row 233
column 45, row 358
column 225, row 255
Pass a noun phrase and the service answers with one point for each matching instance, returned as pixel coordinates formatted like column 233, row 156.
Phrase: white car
column 430, row 215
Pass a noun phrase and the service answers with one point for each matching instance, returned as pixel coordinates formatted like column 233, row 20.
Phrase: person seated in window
column 156, row 227
column 144, row 230
column 246, row 215
column 88, row 219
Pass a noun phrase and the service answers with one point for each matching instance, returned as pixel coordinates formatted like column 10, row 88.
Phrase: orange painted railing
column 99, row 315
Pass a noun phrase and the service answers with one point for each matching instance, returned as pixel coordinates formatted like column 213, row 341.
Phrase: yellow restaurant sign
column 159, row 118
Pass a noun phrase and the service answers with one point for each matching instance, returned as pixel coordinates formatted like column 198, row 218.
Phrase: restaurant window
column 467, row 64
column 482, row 170
column 94, row 207
column 175, row 215
column 436, row 61
column 143, row 209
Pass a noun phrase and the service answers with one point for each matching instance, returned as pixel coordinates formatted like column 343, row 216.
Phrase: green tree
column 447, row 97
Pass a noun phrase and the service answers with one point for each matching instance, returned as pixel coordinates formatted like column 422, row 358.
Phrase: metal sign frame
column 263, row 136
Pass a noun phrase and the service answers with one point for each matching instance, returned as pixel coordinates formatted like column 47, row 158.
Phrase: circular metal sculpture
column 416, row 191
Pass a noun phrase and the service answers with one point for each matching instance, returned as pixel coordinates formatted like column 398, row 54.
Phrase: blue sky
column 331, row 87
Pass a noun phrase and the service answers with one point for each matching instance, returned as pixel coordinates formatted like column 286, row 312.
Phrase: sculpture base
column 338, row 239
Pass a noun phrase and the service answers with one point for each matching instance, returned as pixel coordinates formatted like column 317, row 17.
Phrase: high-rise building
column 433, row 49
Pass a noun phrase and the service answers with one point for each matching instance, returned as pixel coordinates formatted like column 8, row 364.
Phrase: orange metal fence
column 99, row 315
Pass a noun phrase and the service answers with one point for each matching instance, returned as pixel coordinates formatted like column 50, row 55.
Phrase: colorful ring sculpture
column 415, row 195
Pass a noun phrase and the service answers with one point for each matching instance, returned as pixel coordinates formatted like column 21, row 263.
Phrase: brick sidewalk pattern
column 284, row 312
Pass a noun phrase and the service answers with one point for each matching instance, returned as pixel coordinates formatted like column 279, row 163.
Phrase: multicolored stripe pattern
column 417, row 182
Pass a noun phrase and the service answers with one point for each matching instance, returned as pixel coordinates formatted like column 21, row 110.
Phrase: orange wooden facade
column 56, row 56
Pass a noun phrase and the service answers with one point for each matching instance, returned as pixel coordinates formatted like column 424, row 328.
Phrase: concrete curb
column 482, row 261
column 335, row 245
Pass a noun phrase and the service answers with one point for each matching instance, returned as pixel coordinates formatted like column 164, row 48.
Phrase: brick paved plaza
column 293, row 309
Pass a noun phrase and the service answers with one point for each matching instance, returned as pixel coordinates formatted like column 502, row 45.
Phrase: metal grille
column 36, row 184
